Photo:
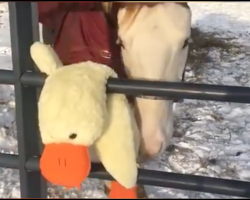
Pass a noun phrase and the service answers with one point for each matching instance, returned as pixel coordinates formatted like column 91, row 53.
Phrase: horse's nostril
column 72, row 136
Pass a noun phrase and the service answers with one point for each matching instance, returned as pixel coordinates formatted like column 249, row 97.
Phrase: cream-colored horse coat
column 154, row 40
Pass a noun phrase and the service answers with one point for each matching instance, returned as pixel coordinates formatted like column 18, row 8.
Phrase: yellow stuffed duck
column 80, row 123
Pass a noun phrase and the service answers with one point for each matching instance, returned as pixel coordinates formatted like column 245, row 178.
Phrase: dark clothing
column 82, row 32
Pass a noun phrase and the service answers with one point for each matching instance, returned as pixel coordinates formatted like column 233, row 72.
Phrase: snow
column 211, row 138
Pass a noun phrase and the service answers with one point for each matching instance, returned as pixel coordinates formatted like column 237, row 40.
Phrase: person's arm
column 47, row 10
column 49, row 14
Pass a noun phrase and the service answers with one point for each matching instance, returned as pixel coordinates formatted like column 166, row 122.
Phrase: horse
column 155, row 40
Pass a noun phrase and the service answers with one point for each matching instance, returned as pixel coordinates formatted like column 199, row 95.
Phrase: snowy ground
column 212, row 139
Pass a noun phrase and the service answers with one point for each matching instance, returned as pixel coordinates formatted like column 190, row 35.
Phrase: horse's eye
column 186, row 43
column 72, row 136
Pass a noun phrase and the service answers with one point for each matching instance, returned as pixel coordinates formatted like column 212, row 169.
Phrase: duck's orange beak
column 65, row 164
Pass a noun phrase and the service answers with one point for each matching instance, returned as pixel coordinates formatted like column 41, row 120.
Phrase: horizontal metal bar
column 9, row 161
column 156, row 178
column 7, row 77
column 153, row 88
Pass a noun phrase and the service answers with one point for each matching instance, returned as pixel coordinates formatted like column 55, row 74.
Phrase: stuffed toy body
column 79, row 124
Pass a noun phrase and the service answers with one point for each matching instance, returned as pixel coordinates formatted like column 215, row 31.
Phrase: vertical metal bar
column 23, row 27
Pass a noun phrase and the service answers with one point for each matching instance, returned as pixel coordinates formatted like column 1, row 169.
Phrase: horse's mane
column 132, row 10
column 107, row 6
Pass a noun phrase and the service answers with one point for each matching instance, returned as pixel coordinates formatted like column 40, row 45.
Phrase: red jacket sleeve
column 50, row 11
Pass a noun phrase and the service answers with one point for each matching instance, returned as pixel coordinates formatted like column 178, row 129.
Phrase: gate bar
column 23, row 32
column 155, row 178
column 175, row 90
column 151, row 88
column 173, row 180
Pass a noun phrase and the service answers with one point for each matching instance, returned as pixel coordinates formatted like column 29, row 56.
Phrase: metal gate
column 24, row 31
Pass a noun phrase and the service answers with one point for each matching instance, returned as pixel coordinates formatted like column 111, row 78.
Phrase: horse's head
column 155, row 40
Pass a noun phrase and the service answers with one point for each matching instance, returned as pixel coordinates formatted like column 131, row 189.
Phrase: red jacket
column 82, row 33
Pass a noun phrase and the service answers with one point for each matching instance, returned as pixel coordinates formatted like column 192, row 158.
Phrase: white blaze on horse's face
column 155, row 48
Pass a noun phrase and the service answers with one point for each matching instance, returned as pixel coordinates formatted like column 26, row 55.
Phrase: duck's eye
column 72, row 136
